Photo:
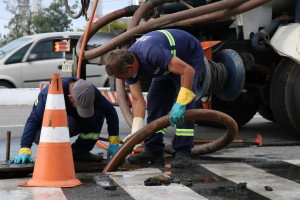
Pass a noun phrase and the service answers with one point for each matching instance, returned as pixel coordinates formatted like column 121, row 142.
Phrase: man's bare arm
column 177, row 66
column 139, row 103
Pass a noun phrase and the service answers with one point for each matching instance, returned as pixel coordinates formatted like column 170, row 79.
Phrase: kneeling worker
column 86, row 109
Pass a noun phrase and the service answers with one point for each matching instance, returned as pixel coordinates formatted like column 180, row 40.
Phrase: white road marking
column 257, row 179
column 133, row 183
column 294, row 162
column 9, row 189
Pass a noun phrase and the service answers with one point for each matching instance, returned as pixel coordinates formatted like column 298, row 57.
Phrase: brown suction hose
column 163, row 122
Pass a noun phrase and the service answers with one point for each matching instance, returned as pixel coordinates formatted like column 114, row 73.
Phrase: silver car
column 28, row 61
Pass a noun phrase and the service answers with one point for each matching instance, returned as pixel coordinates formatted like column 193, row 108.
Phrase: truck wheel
column 285, row 96
column 266, row 112
column 241, row 109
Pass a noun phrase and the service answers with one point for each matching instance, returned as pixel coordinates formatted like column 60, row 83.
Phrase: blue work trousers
column 160, row 99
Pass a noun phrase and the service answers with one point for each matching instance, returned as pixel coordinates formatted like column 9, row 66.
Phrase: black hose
column 83, row 11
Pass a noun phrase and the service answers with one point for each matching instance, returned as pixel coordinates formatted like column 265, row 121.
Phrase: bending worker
column 86, row 109
column 172, row 58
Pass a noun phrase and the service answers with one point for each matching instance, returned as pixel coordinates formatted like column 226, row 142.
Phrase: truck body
column 267, row 39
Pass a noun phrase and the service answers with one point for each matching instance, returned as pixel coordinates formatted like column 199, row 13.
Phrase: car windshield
column 12, row 45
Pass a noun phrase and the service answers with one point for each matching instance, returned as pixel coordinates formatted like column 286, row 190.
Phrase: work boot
column 145, row 157
column 88, row 157
column 181, row 160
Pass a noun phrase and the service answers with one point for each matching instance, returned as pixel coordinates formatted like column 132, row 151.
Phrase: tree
column 52, row 19
column 25, row 22
column 20, row 24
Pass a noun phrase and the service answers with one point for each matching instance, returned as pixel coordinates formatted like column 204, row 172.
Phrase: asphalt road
column 218, row 175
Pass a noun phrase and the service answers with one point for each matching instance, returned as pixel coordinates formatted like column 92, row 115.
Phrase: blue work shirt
column 35, row 119
column 153, row 51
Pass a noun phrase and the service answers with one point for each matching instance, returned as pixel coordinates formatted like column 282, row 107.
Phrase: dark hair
column 117, row 61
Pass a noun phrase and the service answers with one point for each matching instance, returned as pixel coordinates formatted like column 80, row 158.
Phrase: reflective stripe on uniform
column 162, row 131
column 184, row 132
column 172, row 43
column 89, row 136
column 36, row 101
column 169, row 36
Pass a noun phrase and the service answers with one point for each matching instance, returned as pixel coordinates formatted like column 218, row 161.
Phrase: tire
column 285, row 96
column 4, row 84
column 241, row 110
column 266, row 112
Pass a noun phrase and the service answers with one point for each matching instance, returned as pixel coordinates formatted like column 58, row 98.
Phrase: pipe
column 157, row 23
column 85, row 39
column 8, row 136
column 163, row 122
column 220, row 14
column 124, row 12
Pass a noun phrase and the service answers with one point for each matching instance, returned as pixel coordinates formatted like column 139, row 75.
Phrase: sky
column 107, row 5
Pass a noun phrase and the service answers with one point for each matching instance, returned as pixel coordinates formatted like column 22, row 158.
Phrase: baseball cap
column 83, row 93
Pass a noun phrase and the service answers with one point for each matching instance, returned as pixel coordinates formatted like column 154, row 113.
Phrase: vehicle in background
column 264, row 34
column 30, row 60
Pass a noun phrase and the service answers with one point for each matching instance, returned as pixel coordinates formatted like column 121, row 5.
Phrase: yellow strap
column 114, row 140
column 25, row 150
column 185, row 96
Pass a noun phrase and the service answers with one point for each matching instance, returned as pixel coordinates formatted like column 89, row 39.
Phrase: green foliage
column 51, row 19
column 20, row 24
column 113, row 26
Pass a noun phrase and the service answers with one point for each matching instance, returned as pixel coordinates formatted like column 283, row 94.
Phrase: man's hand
column 177, row 115
column 112, row 149
column 185, row 96
column 114, row 142
column 23, row 157
column 137, row 124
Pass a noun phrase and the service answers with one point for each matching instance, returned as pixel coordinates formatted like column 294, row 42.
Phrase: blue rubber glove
column 112, row 149
column 22, row 158
column 177, row 115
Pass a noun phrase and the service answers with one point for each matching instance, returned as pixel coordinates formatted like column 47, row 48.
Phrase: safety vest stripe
column 184, row 132
column 89, row 136
column 36, row 101
column 172, row 44
column 169, row 36
column 162, row 131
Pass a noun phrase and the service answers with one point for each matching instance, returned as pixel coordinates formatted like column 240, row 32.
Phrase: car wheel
column 285, row 96
column 4, row 84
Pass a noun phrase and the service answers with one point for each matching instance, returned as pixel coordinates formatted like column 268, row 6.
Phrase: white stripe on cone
column 55, row 134
column 55, row 102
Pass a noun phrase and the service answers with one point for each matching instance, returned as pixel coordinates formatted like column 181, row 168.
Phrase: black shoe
column 145, row 157
column 88, row 157
column 181, row 160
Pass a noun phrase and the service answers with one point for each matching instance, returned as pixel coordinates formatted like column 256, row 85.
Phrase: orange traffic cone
column 54, row 165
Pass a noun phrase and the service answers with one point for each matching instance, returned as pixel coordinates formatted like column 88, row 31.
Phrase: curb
column 20, row 96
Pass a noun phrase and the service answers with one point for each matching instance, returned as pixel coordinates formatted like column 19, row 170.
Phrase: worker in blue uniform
column 172, row 58
column 86, row 109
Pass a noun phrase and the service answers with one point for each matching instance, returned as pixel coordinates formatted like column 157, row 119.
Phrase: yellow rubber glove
column 185, row 96
column 176, row 116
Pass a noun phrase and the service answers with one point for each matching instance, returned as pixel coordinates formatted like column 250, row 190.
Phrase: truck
column 263, row 34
